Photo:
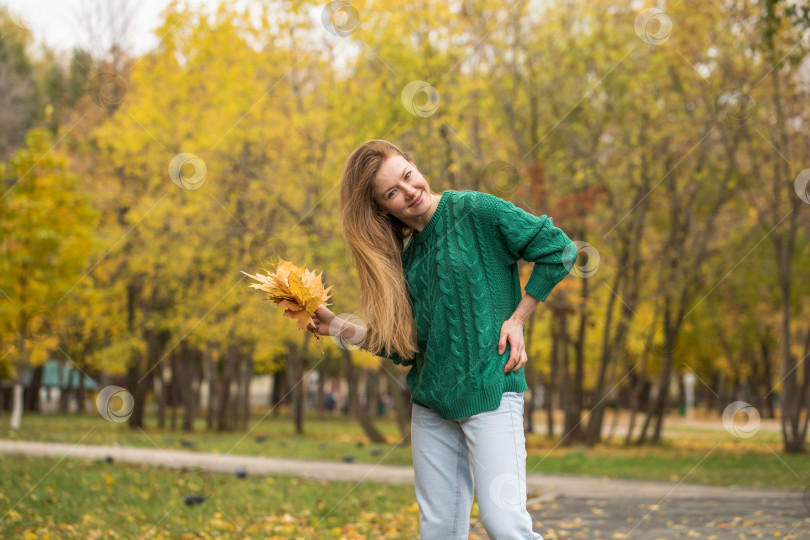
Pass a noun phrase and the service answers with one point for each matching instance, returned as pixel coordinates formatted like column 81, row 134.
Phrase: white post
column 16, row 405
column 689, row 380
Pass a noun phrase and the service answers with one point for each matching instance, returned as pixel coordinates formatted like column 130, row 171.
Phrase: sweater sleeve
column 394, row 357
column 530, row 238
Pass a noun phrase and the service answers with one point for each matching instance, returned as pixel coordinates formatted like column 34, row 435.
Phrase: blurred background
column 150, row 151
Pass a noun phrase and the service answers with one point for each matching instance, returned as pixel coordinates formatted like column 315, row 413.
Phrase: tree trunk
column 16, row 405
column 635, row 390
column 611, row 351
column 183, row 388
column 224, row 400
column 212, row 377
column 571, row 411
column 65, row 390
column 32, row 392
column 401, row 395
column 666, row 374
column 279, row 390
column 793, row 400
column 320, row 398
column 363, row 415
column 162, row 394
column 191, row 394
column 246, row 375
column 531, row 373
column 640, row 389
column 552, row 379
column 134, row 361
column 80, row 394
column 579, row 359
column 299, row 389
column 352, row 401
column 17, row 396
column 766, row 396
column 171, row 390
column 372, row 391
column 144, row 383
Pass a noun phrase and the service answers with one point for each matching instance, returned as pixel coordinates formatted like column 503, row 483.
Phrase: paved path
column 637, row 518
column 563, row 507
column 542, row 484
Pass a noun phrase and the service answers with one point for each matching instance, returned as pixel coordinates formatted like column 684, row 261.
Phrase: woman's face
column 401, row 190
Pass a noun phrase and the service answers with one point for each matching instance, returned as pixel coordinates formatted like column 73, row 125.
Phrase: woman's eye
column 407, row 177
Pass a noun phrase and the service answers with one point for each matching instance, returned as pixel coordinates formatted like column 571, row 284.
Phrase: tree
column 783, row 27
column 45, row 233
column 18, row 87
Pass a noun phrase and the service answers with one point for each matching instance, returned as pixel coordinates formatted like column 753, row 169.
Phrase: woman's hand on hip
column 512, row 331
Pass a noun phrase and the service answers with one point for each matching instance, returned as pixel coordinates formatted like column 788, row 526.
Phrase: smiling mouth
column 417, row 201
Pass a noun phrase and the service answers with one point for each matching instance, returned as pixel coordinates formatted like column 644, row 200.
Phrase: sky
column 57, row 23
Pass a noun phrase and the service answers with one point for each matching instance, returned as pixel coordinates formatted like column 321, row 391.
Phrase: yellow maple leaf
column 295, row 288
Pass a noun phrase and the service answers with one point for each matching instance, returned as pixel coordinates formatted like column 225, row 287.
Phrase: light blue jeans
column 486, row 450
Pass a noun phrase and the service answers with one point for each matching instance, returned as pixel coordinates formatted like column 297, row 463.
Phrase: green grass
column 83, row 499
column 710, row 457
column 332, row 438
column 689, row 454
column 750, row 469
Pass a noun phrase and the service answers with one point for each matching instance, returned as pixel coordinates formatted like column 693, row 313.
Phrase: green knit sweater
column 463, row 278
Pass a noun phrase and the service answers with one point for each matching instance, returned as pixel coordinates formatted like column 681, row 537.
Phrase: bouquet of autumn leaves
column 296, row 289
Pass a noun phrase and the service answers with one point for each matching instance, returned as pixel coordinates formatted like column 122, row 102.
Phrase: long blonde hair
column 376, row 242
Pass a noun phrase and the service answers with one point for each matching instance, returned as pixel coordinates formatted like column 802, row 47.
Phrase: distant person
column 448, row 303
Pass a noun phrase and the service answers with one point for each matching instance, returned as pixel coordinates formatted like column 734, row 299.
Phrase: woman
column 448, row 304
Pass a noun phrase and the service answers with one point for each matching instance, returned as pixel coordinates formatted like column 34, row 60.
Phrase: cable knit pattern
column 463, row 278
